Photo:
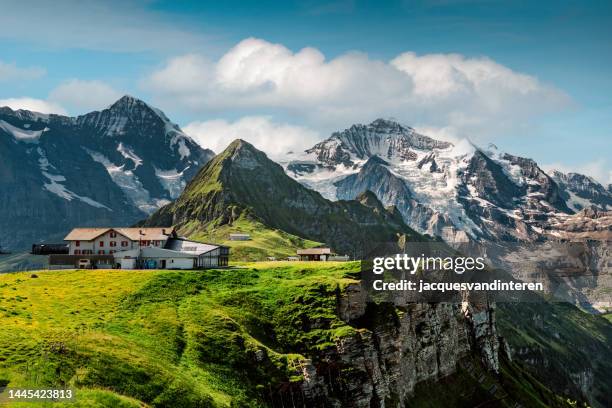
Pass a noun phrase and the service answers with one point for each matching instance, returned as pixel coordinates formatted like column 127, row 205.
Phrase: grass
column 214, row 338
column 265, row 242
column 560, row 338
column 168, row 338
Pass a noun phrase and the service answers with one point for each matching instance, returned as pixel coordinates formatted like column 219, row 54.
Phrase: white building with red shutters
column 137, row 248
column 107, row 241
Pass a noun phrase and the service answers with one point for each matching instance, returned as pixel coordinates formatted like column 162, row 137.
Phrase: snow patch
column 183, row 149
column 127, row 181
column 577, row 203
column 129, row 154
column 172, row 181
column 24, row 135
column 55, row 186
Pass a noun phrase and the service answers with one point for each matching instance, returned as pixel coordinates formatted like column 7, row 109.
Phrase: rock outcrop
column 395, row 348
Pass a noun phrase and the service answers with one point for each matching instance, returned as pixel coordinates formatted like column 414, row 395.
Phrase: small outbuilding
column 206, row 255
column 314, row 254
column 239, row 237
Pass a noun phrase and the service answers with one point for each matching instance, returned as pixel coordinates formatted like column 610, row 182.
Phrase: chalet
column 319, row 254
column 137, row 248
column 314, row 254
column 106, row 241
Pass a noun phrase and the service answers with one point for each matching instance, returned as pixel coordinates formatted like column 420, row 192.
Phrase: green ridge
column 241, row 185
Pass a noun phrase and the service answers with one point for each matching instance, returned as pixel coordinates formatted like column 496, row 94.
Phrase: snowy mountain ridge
column 113, row 166
column 457, row 191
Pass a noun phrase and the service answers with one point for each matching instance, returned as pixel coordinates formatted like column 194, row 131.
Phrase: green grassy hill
column 559, row 341
column 264, row 242
column 214, row 338
column 241, row 185
column 165, row 338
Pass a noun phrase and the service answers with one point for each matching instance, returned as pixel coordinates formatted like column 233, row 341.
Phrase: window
column 77, row 252
column 124, row 243
column 113, row 243
column 102, row 243
column 113, row 234
column 101, row 252
column 77, row 243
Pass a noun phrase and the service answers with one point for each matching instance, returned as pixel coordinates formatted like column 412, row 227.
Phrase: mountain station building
column 137, row 248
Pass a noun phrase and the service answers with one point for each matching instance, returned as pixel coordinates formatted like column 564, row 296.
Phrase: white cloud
column 598, row 169
column 474, row 96
column 33, row 104
column 84, row 96
column 256, row 74
column 11, row 72
column 276, row 139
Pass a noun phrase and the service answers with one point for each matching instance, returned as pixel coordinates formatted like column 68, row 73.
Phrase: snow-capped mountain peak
column 110, row 166
column 456, row 191
column 387, row 139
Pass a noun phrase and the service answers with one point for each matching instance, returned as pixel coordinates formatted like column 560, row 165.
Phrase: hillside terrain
column 570, row 350
column 266, row 335
column 241, row 183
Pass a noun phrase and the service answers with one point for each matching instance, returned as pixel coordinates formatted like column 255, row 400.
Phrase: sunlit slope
column 164, row 337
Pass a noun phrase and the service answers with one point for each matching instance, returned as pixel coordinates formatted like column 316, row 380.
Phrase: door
column 163, row 264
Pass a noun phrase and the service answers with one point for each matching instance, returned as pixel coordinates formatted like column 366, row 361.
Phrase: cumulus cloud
column 597, row 169
column 11, row 72
column 276, row 139
column 33, row 104
column 83, row 96
column 256, row 74
column 474, row 96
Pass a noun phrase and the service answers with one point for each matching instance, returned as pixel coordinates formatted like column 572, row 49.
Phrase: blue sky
column 531, row 77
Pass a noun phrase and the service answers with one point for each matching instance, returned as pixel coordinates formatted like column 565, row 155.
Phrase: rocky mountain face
column 242, row 180
column 398, row 347
column 456, row 191
column 108, row 167
column 582, row 192
column 461, row 192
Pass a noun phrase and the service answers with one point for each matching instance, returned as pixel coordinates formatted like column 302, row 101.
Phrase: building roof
column 153, row 252
column 192, row 247
column 314, row 251
column 134, row 234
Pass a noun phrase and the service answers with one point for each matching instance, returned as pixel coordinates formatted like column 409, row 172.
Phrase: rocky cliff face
column 112, row 166
column 397, row 347
column 582, row 192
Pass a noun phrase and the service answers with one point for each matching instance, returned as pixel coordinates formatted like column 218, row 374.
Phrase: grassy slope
column 264, row 241
column 168, row 338
column 560, row 338
column 160, row 336
column 242, row 184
